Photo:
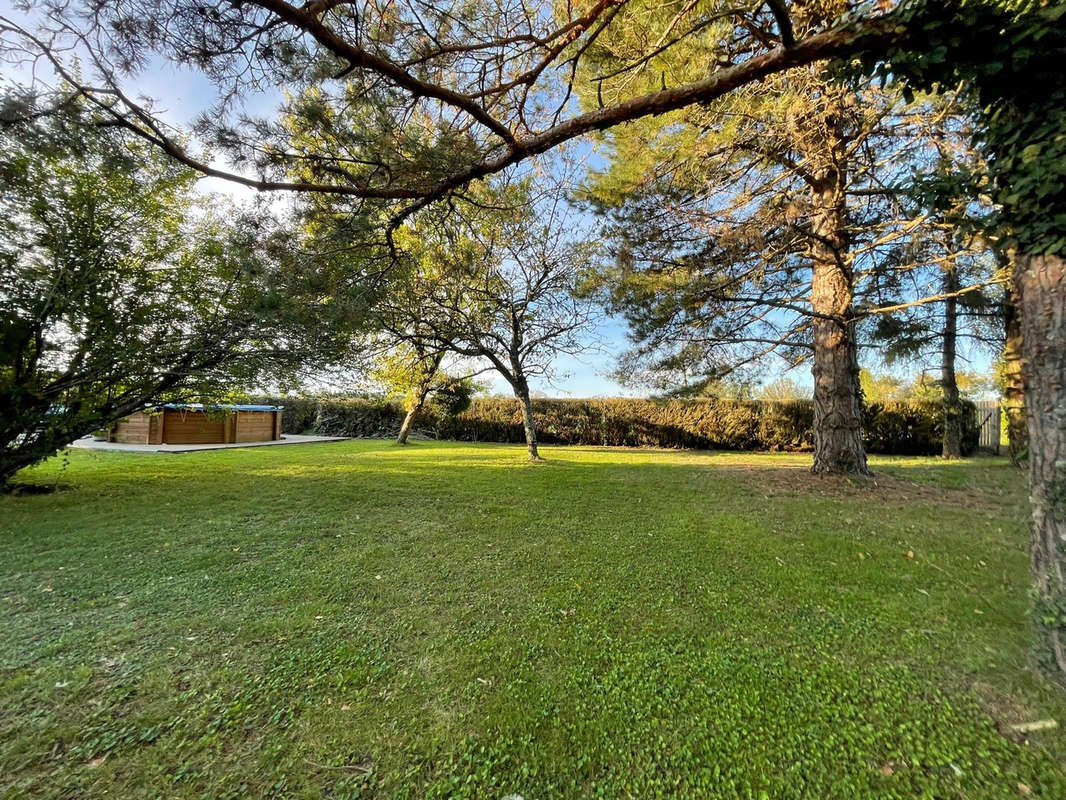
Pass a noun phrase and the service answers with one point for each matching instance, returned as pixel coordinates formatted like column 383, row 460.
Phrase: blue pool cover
column 200, row 407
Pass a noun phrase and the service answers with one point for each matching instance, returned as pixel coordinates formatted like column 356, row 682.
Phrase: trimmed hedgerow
column 914, row 429
column 712, row 423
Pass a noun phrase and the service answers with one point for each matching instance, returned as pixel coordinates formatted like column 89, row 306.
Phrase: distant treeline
column 903, row 428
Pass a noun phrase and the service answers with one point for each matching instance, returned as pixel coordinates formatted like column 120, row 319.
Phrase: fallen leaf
column 1024, row 789
column 93, row 763
column 910, row 554
column 887, row 770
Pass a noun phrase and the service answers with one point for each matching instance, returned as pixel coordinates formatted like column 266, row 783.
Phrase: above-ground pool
column 197, row 424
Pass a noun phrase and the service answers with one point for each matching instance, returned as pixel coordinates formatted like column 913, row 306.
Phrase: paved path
column 90, row 444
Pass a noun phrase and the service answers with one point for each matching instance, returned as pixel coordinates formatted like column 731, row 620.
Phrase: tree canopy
column 118, row 290
column 432, row 95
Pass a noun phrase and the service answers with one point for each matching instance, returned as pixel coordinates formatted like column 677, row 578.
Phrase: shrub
column 455, row 396
column 915, row 428
column 891, row 428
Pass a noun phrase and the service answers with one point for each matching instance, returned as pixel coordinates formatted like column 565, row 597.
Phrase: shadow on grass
column 450, row 621
column 18, row 489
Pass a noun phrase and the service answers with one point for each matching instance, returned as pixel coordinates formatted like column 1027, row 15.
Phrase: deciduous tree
column 116, row 291
column 497, row 282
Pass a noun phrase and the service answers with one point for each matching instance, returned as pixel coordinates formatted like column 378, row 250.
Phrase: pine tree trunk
column 1040, row 282
column 522, row 393
column 838, row 447
column 1014, row 389
column 952, row 444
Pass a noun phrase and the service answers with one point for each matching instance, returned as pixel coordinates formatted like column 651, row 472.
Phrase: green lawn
column 361, row 620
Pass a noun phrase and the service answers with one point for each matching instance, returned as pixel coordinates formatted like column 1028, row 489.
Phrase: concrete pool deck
column 88, row 443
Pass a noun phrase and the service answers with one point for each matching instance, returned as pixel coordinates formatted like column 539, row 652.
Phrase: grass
column 360, row 620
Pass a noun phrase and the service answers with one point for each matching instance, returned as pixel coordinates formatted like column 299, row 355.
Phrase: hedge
column 894, row 428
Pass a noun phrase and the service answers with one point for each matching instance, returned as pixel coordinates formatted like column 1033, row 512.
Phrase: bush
column 915, row 429
column 711, row 423
column 455, row 396
column 339, row 416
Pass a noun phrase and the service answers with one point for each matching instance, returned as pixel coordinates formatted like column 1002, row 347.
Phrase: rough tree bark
column 952, row 445
column 838, row 445
column 412, row 412
column 521, row 391
column 1040, row 283
column 1014, row 388
column 420, row 397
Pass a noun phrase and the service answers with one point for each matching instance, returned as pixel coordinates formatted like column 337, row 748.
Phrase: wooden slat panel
column 255, row 426
column 133, row 430
column 193, row 427
column 176, row 426
column 155, row 429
